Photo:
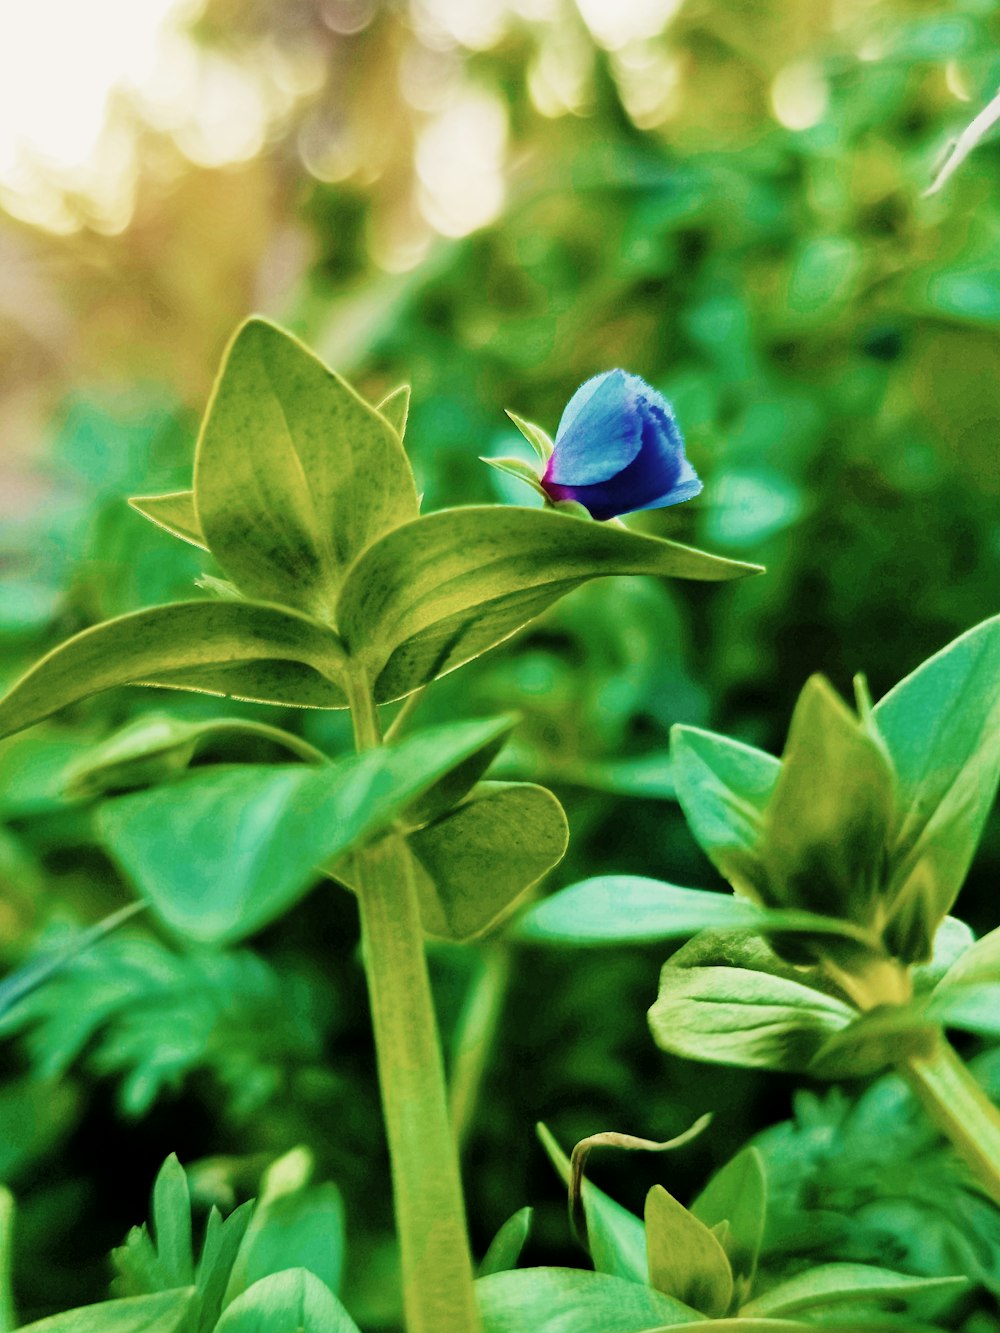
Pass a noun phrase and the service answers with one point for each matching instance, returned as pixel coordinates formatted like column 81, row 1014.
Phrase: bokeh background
column 490, row 200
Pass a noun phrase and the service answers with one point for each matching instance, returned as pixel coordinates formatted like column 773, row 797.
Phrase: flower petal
column 600, row 432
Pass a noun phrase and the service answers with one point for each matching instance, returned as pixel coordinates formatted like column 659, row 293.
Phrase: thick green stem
column 960, row 1109
column 430, row 1214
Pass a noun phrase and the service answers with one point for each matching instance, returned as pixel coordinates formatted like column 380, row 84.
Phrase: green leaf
column 972, row 1006
column 876, row 1041
column 831, row 816
column 474, row 863
column 555, row 1300
column 456, row 784
column 163, row 1313
column 723, row 788
column 737, row 1195
column 302, row 1229
column 617, row 1238
column 395, row 407
column 630, row 909
column 295, row 474
column 246, row 649
column 842, row 1284
column 174, row 512
column 172, row 1223
column 539, row 439
column 254, row 835
column 519, row 469
column 437, row 592
column 223, row 1239
column 157, row 747
column 685, row 1259
column 293, row 1300
column 8, row 1319
column 979, row 963
column 506, row 1246
column 954, row 939
column 731, row 1015
column 941, row 726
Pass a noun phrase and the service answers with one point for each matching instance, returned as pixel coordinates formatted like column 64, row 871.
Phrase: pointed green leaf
column 295, row 474
column 832, row 813
column 519, row 469
column 737, row 1195
column 539, row 439
column 686, row 1260
column 555, row 1300
column 244, row 648
column 617, row 1238
column 731, row 1015
column 222, row 1244
column 942, row 729
column 226, row 849
column 395, row 407
column 174, row 512
column 457, row 783
column 877, row 1041
column 172, row 1223
column 474, row 863
column 842, row 1284
column 506, row 1246
column 723, row 788
column 165, row 1312
column 294, row 1300
column 630, row 909
column 437, row 592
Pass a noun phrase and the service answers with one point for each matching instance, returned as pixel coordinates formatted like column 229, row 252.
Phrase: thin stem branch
column 430, row 1214
column 960, row 1109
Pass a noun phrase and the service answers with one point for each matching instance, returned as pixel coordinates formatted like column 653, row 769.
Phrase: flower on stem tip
column 619, row 449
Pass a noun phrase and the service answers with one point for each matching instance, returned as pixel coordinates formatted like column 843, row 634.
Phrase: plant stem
column 430, row 1214
column 960, row 1109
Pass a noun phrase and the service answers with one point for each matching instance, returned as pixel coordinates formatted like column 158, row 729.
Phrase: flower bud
column 619, row 449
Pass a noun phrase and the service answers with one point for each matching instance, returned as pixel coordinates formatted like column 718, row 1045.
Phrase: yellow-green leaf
column 686, row 1260
column 174, row 512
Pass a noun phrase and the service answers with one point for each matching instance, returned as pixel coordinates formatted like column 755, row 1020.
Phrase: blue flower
column 618, row 449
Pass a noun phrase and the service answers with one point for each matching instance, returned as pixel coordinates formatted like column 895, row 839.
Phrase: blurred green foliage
column 761, row 251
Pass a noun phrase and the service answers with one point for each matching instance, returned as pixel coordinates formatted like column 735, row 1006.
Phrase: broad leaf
column 630, row 909
column 737, row 1196
column 730, row 1015
column 685, row 1259
column 295, row 474
column 554, row 1300
column 876, row 1041
column 723, row 788
column 842, row 1284
column 506, row 1246
column 174, row 512
column 226, row 849
column 439, row 591
column 165, row 1312
column 302, row 1229
column 473, row 864
column 292, row 1300
column 827, row 825
column 980, row 963
column 973, row 1006
column 616, row 1237
column 942, row 728
column 247, row 649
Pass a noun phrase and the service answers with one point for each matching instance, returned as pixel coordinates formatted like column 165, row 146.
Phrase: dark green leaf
column 437, row 592
column 295, row 474
column 242, row 648
column 474, row 863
